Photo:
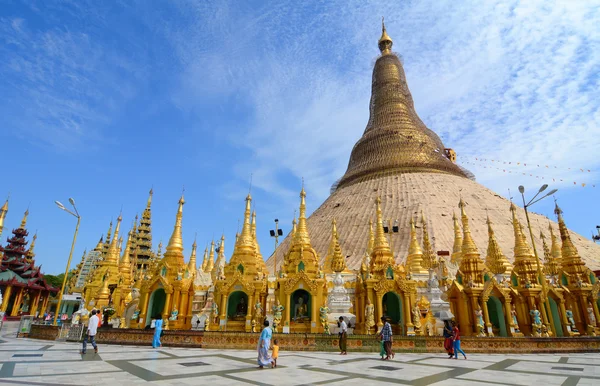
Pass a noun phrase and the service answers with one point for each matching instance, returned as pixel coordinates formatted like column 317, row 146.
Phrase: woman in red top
column 456, row 339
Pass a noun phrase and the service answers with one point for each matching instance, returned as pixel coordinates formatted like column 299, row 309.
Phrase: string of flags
column 504, row 170
column 529, row 164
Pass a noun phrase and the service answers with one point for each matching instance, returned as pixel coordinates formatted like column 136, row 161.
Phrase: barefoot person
column 386, row 337
column 456, row 339
column 448, row 342
column 91, row 333
column 275, row 353
column 264, row 343
column 343, row 335
column 158, row 324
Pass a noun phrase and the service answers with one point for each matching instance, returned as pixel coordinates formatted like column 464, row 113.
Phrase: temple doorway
column 497, row 317
column 156, row 305
column 392, row 308
column 555, row 317
column 301, row 306
column 237, row 306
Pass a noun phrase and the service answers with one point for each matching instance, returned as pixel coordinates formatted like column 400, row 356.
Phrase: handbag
column 162, row 333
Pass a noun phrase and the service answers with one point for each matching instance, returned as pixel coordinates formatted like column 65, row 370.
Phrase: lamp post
column 62, row 289
column 276, row 233
column 541, row 277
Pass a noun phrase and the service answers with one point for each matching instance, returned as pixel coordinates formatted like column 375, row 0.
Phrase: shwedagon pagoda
column 454, row 250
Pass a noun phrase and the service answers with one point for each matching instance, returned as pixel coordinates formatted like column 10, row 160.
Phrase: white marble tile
column 514, row 378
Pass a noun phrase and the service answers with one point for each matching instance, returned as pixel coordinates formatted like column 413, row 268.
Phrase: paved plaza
column 35, row 362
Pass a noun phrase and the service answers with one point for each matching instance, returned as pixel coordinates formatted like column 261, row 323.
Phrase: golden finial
column 555, row 248
column 301, row 234
column 125, row 265
column 100, row 244
column 109, row 233
column 205, row 259
column 149, row 203
column 385, row 42
column 176, row 241
column 414, row 259
column 220, row 263
column 24, row 221
column 571, row 261
column 246, row 239
column 381, row 241
column 429, row 258
column 31, row 252
column 3, row 212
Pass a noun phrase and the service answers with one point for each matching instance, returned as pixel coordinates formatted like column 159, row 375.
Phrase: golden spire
column 301, row 234
column 555, row 249
column 259, row 258
column 385, row 42
column 125, row 264
column 3, row 212
column 112, row 254
column 457, row 248
column 571, row 261
column 294, row 226
column 371, row 242
column 176, row 242
column 192, row 264
column 495, row 260
column 246, row 238
column 471, row 264
column 108, row 239
column 414, row 260
column 430, row 260
column 100, row 244
column 149, row 202
column 220, row 263
column 31, row 253
column 525, row 263
column 211, row 258
column 205, row 259
column 551, row 265
column 24, row 221
column 336, row 259
column 382, row 257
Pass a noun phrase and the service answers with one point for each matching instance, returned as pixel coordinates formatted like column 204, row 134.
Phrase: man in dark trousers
column 91, row 332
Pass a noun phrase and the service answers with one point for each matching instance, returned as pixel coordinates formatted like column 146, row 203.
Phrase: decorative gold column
column 379, row 308
column 223, row 316
column 35, row 303
column 7, row 293
column 407, row 314
column 248, row 325
column 144, row 309
column 288, row 300
column 166, row 309
column 596, row 311
column 565, row 321
column 508, row 317
column 45, row 302
column 474, row 305
column 17, row 304
column 486, row 317
column 183, row 309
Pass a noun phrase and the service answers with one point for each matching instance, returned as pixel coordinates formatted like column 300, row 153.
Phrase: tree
column 55, row 280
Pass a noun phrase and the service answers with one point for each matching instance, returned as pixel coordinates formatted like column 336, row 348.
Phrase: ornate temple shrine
column 24, row 290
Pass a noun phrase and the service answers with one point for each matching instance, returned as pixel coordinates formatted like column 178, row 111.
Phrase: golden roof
column 495, row 260
column 336, row 259
column 385, row 41
column 571, row 261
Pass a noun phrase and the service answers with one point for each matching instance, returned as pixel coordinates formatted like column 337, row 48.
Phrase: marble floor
column 34, row 362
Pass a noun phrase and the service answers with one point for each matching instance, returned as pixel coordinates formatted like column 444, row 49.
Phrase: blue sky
column 101, row 101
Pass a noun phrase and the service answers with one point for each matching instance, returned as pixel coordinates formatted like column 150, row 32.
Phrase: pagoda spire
column 100, row 244
column 525, row 263
column 382, row 256
column 457, row 248
column 551, row 265
column 192, row 264
column 143, row 240
column 108, row 239
column 301, row 234
column 218, row 269
column 429, row 259
column 211, row 258
column 112, row 254
column 259, row 258
column 571, row 261
column 471, row 264
column 246, row 238
column 414, row 260
column 31, row 253
column 24, row 220
column 495, row 260
column 395, row 140
column 176, row 241
column 338, row 262
column 385, row 41
column 205, row 259
column 125, row 264
column 3, row 212
column 555, row 249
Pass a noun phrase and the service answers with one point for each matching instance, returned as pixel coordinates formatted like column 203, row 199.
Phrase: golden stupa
column 406, row 164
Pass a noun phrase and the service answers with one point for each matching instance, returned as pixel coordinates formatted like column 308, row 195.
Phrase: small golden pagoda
column 301, row 288
column 243, row 288
column 414, row 260
column 386, row 286
column 168, row 289
column 457, row 247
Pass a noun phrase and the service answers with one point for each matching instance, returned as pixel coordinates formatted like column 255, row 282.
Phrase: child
column 275, row 353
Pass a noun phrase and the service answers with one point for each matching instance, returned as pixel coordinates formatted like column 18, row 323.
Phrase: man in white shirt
column 91, row 333
column 343, row 335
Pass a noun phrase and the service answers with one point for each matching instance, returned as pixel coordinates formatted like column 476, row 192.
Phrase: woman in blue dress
column 157, row 331
column 264, row 343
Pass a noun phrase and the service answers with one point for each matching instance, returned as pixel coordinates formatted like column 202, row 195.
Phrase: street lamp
column 62, row 289
column 276, row 233
column 539, row 268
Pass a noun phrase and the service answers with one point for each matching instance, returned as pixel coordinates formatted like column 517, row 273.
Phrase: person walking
column 158, row 324
column 343, row 335
column 91, row 333
column 448, row 342
column 456, row 339
column 275, row 353
column 386, row 337
column 264, row 343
